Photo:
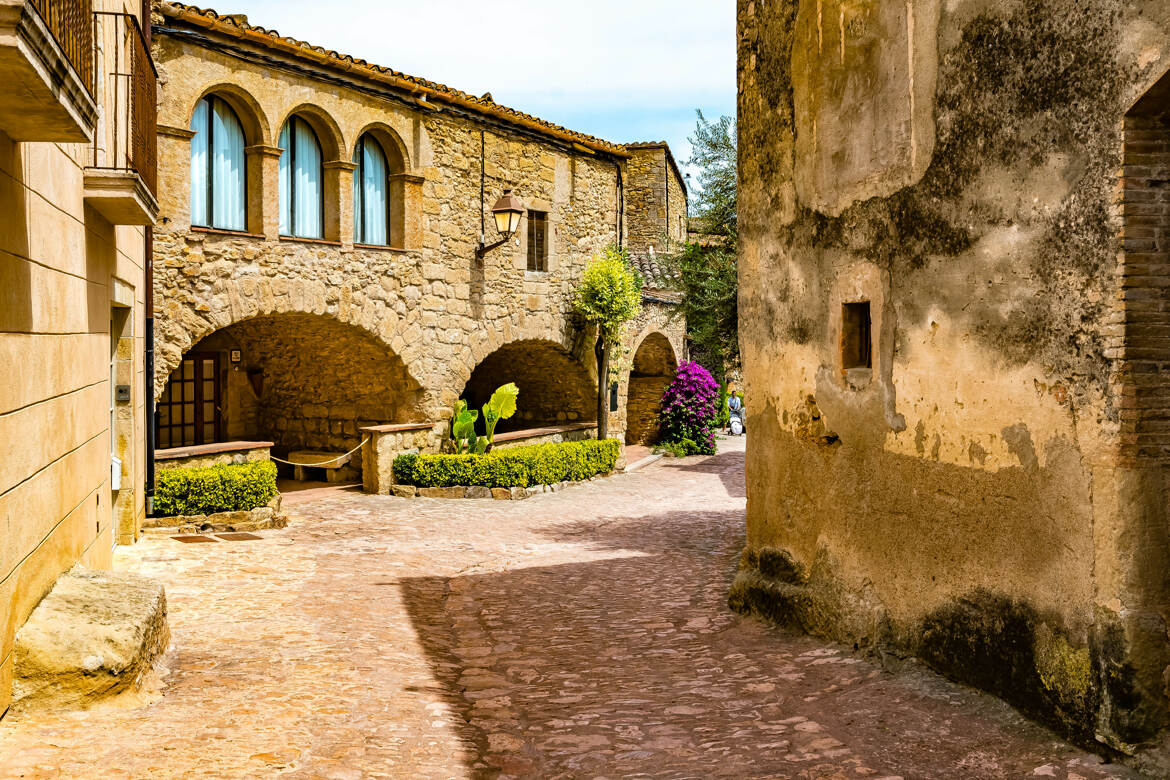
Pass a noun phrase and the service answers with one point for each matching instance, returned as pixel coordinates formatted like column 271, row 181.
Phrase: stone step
column 97, row 634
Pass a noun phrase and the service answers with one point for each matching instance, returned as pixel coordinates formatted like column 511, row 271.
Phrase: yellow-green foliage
column 224, row 488
column 1065, row 670
column 539, row 464
column 610, row 292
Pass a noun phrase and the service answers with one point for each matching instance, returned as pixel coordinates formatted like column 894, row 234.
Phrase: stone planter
column 268, row 516
column 478, row 491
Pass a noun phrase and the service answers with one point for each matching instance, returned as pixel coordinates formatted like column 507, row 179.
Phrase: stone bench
column 303, row 459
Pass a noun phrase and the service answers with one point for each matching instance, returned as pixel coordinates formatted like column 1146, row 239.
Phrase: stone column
column 339, row 201
column 264, row 190
column 406, row 199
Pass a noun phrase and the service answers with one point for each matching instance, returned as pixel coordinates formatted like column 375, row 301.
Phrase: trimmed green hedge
column 224, row 488
column 539, row 464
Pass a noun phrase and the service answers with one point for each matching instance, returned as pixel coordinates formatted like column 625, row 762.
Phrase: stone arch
column 397, row 153
column 653, row 368
column 180, row 327
column 555, row 389
column 333, row 143
column 257, row 129
column 303, row 381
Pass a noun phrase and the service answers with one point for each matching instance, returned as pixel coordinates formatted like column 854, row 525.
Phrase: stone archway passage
column 306, row 382
column 554, row 388
column 654, row 367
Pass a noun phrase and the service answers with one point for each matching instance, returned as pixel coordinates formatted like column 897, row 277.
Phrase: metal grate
column 239, row 537
column 194, row 539
column 131, row 100
column 71, row 22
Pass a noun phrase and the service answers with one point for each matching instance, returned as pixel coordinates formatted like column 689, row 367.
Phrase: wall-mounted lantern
column 507, row 212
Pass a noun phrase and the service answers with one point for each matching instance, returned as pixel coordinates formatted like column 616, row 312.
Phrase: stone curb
column 643, row 463
column 498, row 494
column 257, row 519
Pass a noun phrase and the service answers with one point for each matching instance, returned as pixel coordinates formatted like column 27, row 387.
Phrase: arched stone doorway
column 554, row 388
column 302, row 381
column 653, row 369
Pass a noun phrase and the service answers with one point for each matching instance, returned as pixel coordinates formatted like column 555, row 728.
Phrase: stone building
column 76, row 192
column 298, row 308
column 954, row 226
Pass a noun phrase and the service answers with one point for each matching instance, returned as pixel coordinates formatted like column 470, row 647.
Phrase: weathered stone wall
column 656, row 201
column 964, row 496
column 72, row 298
column 661, row 329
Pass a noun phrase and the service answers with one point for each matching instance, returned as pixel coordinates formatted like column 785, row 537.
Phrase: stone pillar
column 264, row 190
column 339, row 201
column 406, row 199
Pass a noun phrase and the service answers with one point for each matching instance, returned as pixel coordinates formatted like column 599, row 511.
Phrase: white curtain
column 300, row 181
column 199, row 169
column 370, row 196
column 227, row 173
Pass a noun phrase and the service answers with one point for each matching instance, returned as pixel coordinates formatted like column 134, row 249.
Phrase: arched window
column 218, row 186
column 302, row 207
column 371, row 196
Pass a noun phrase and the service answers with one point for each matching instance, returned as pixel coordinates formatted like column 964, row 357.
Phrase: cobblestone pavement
column 582, row 634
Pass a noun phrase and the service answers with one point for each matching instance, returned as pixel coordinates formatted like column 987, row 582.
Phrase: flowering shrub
column 689, row 410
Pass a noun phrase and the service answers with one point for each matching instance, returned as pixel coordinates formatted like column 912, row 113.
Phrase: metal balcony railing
column 130, row 98
column 71, row 22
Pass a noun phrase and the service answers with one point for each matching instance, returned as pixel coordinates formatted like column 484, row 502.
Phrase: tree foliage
column 714, row 154
column 610, row 293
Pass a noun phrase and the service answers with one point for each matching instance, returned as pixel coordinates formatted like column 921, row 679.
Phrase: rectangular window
column 856, row 343
column 537, row 241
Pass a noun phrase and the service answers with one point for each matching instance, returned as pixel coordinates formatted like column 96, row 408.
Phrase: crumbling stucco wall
column 965, row 494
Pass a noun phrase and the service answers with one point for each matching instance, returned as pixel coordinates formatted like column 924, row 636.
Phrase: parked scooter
column 735, row 426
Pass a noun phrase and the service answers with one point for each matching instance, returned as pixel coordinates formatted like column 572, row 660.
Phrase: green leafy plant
column 211, row 489
column 608, row 296
column 500, row 406
column 538, row 464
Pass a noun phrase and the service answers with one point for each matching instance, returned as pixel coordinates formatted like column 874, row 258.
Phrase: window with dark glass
column 302, row 205
column 856, row 339
column 218, row 187
column 537, row 241
column 371, row 198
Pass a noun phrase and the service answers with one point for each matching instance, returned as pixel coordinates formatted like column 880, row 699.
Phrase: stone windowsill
column 201, row 450
column 532, row 433
column 225, row 233
column 398, row 428
column 382, row 247
column 319, row 241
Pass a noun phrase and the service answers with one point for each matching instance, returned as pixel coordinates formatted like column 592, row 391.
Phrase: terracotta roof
column 655, row 275
column 425, row 91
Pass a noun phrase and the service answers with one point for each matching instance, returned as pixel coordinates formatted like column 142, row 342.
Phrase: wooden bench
column 303, row 459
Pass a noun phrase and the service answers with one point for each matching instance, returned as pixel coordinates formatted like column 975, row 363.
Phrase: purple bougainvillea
column 689, row 409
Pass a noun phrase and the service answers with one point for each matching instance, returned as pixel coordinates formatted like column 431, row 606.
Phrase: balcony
column 121, row 179
column 47, row 58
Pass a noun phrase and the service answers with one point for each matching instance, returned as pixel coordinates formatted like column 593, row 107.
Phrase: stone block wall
column 656, row 200
column 71, row 325
column 970, row 482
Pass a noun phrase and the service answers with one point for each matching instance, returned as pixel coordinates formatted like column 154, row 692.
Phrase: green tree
column 608, row 296
column 713, row 152
column 707, row 275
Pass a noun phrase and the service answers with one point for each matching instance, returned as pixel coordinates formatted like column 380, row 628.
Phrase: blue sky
column 623, row 70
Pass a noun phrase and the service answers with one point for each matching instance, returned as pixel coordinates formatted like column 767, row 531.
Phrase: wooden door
column 190, row 409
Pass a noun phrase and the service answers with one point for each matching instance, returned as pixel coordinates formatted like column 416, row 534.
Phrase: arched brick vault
column 554, row 387
column 441, row 366
column 653, row 366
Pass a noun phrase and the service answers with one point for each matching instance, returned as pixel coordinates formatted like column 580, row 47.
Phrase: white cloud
column 619, row 69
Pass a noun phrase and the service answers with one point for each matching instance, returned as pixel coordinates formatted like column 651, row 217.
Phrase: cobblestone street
column 580, row 634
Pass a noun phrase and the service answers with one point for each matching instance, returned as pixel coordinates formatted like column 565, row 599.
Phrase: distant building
column 954, row 235
column 316, row 263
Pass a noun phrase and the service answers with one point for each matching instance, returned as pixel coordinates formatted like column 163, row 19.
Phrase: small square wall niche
column 856, row 340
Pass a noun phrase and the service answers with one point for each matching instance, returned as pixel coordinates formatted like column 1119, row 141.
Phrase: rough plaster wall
column 971, row 477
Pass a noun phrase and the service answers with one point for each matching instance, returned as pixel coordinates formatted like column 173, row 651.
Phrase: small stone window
column 856, row 341
column 537, row 240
